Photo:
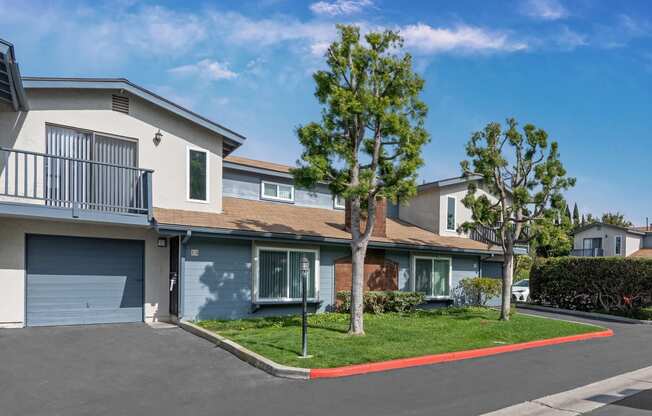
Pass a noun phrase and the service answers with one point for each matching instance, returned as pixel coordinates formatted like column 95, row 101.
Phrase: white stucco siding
column 422, row 210
column 633, row 243
column 607, row 234
column 12, row 264
column 91, row 110
column 462, row 213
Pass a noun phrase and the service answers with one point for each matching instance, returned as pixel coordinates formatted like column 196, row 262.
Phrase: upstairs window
column 197, row 175
column 450, row 214
column 339, row 202
column 277, row 191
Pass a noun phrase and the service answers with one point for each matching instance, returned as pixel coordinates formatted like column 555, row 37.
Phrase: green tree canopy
column 525, row 174
column 367, row 145
column 616, row 218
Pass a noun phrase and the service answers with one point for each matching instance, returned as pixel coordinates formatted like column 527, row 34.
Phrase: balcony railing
column 588, row 252
column 485, row 235
column 78, row 184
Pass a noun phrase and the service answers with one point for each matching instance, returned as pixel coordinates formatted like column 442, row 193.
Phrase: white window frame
column 616, row 238
column 336, row 205
column 208, row 176
column 288, row 250
column 454, row 212
column 276, row 198
column 413, row 265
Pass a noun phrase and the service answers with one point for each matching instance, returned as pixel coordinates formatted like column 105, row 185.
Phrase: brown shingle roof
column 642, row 229
column 644, row 252
column 277, row 167
column 262, row 216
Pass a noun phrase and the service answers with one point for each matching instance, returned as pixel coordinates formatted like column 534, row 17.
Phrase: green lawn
column 388, row 336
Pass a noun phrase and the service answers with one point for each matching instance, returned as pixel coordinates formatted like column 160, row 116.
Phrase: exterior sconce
column 162, row 242
column 157, row 137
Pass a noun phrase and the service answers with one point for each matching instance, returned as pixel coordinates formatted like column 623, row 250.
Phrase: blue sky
column 580, row 69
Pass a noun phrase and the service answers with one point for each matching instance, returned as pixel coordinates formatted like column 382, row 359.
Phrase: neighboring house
column 600, row 239
column 117, row 205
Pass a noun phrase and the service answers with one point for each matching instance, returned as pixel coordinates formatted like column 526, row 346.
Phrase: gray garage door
column 73, row 280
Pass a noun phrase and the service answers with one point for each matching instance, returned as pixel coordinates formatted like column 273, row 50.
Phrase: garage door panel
column 73, row 280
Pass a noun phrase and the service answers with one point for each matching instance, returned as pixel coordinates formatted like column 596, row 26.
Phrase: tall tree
column 576, row 216
column 525, row 174
column 567, row 212
column 368, row 143
column 616, row 218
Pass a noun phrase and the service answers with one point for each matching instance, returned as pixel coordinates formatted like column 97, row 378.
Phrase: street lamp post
column 305, row 271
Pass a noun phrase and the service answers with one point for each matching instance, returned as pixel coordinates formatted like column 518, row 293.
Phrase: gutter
column 240, row 234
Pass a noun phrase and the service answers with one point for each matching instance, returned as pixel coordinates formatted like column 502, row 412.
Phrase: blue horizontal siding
column 247, row 186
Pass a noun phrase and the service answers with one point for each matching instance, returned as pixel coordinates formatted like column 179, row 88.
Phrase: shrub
column 385, row 301
column 478, row 290
column 610, row 284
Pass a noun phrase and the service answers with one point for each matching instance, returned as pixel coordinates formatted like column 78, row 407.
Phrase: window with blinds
column 278, row 276
column 432, row 276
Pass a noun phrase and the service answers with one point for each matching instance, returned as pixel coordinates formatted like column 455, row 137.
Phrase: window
column 432, row 276
column 197, row 175
column 618, row 245
column 277, row 191
column 339, row 202
column 450, row 214
column 278, row 275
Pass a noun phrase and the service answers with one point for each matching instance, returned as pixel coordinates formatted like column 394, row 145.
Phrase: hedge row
column 611, row 284
column 382, row 301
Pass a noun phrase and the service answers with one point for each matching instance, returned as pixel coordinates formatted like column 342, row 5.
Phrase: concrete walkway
column 585, row 399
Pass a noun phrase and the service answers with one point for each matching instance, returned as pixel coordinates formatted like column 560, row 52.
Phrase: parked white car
column 521, row 291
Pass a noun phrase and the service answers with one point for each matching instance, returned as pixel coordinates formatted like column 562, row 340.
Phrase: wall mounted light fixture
column 157, row 137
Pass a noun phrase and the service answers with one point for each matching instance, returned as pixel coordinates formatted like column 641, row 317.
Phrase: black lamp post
column 305, row 271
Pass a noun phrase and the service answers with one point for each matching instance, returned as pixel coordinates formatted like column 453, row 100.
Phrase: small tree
column 368, row 143
column 526, row 176
column 576, row 216
column 616, row 218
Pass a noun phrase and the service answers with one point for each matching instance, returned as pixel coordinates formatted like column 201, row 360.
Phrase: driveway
column 135, row 369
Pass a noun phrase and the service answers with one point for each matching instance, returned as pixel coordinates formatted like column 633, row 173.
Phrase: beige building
column 600, row 239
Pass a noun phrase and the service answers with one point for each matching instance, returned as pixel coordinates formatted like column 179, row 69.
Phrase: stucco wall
column 12, row 263
column 463, row 214
column 607, row 234
column 422, row 210
column 91, row 110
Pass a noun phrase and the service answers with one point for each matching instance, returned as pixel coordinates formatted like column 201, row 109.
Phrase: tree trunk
column 508, row 273
column 358, row 253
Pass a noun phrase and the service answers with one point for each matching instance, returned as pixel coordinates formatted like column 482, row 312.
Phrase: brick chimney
column 380, row 226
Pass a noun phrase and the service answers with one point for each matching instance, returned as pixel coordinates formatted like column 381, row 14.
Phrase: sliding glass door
column 432, row 276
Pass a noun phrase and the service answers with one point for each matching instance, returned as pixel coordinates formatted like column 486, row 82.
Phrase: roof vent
column 120, row 104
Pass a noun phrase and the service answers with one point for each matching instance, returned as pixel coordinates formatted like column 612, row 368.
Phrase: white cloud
column 544, row 9
column 207, row 69
column 339, row 7
column 568, row 39
column 426, row 39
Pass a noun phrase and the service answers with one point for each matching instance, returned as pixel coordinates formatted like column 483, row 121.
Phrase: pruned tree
column 368, row 143
column 525, row 174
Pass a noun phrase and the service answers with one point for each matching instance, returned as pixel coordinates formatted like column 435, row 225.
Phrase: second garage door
column 74, row 280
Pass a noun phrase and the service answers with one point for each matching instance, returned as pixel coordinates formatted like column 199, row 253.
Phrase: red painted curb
column 447, row 357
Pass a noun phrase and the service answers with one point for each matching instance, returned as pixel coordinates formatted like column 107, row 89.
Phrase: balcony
column 39, row 185
column 588, row 252
column 489, row 235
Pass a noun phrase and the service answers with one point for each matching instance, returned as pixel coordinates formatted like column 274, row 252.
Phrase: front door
column 174, row 276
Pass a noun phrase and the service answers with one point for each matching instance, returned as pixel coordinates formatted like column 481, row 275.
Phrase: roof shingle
column 271, row 217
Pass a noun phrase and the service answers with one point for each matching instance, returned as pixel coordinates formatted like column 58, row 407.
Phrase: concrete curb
column 581, row 314
column 246, row 355
column 280, row 370
column 583, row 399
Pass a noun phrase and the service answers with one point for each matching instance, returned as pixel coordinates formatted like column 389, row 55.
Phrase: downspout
column 183, row 253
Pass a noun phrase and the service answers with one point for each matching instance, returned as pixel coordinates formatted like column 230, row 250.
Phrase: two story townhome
column 599, row 239
column 117, row 205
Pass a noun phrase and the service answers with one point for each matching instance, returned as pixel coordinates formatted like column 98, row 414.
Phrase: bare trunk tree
column 508, row 277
